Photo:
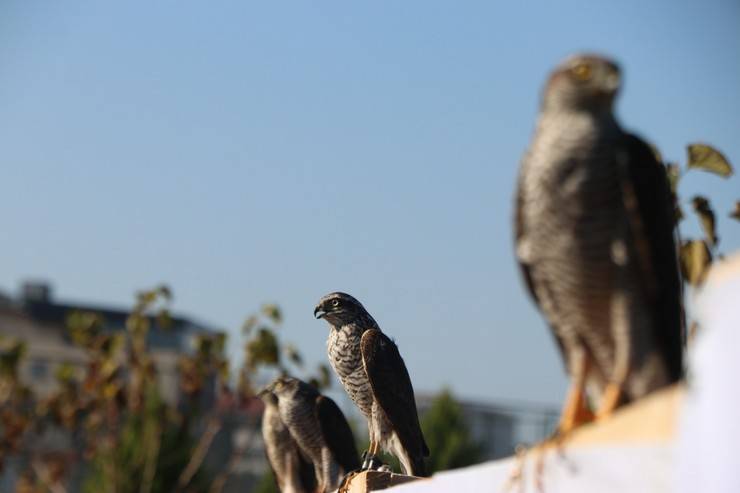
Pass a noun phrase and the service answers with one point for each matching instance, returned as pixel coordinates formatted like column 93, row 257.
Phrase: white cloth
column 709, row 434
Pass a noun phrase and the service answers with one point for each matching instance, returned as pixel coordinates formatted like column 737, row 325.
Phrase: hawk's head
column 584, row 83
column 286, row 387
column 267, row 396
column 342, row 309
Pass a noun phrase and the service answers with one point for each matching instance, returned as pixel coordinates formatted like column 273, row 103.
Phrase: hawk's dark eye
column 335, row 303
column 582, row 72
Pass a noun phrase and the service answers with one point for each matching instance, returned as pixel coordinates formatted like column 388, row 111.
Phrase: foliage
column 448, row 436
column 266, row 483
column 696, row 255
column 263, row 349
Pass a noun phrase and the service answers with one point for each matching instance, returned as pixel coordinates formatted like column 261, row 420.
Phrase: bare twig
column 213, row 427
column 150, row 468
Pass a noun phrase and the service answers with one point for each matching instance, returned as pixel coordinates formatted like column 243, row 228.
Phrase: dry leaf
column 706, row 218
column 695, row 259
column 736, row 212
column 707, row 158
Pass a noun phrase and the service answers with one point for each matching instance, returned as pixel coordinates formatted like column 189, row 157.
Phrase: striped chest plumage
column 345, row 357
column 278, row 442
column 297, row 415
column 574, row 222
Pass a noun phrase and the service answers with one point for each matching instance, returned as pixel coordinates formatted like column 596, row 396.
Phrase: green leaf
column 219, row 343
column 706, row 217
column 11, row 353
column 111, row 345
column 137, row 324
column 145, row 298
column 164, row 319
column 272, row 312
column 735, row 214
column 249, row 324
column 65, row 373
column 293, row 355
column 695, row 260
column 707, row 158
column 263, row 349
column 83, row 327
column 165, row 292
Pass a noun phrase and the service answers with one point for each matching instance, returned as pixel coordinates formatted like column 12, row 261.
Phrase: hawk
column 594, row 239
column 319, row 428
column 375, row 377
column 293, row 473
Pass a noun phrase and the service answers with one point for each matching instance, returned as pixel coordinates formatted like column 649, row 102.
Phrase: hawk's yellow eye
column 582, row 72
column 335, row 303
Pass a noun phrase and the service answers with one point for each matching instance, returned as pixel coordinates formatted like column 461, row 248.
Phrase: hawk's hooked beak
column 319, row 312
column 266, row 391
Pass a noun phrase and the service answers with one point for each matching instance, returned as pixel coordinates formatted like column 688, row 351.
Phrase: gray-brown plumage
column 319, row 428
column 594, row 238
column 375, row 377
column 292, row 471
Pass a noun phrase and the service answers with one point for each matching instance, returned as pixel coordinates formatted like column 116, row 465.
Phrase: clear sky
column 250, row 152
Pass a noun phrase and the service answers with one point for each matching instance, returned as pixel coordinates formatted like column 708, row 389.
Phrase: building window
column 39, row 369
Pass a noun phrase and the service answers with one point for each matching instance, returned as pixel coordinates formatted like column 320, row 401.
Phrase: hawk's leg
column 622, row 307
column 575, row 411
column 371, row 461
column 609, row 401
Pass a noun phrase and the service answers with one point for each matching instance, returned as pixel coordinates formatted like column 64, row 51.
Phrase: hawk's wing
column 648, row 201
column 306, row 471
column 524, row 267
column 392, row 389
column 337, row 433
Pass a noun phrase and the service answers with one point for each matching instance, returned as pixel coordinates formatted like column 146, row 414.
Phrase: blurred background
column 253, row 157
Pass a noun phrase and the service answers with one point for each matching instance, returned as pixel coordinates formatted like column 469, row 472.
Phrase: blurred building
column 39, row 320
column 499, row 427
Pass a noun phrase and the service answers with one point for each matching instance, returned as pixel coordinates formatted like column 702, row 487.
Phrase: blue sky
column 250, row 152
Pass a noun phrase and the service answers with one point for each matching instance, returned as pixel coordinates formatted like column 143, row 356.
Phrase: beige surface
column 652, row 420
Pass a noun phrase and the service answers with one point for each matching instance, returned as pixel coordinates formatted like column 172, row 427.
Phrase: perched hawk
column 320, row 430
column 375, row 377
column 293, row 473
column 594, row 238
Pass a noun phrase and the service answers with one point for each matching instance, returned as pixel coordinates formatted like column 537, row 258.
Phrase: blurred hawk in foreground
column 375, row 377
column 594, row 238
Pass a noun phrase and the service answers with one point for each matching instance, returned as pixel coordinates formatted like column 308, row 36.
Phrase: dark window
column 39, row 369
